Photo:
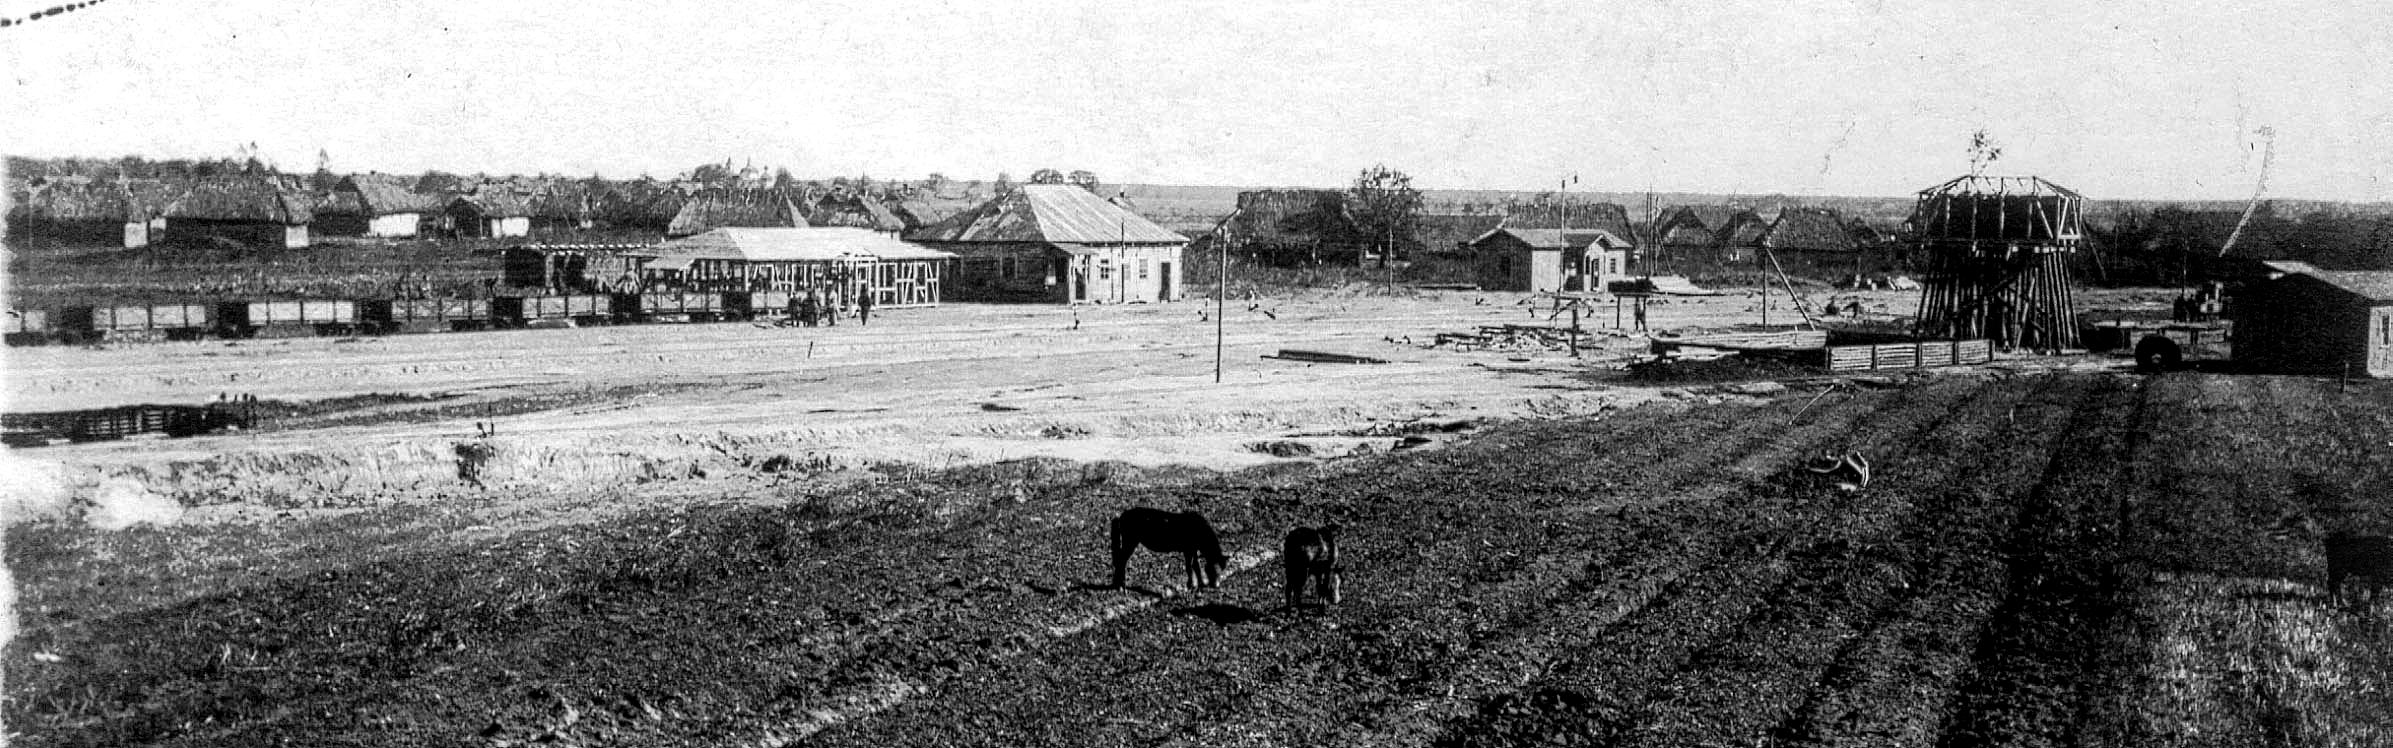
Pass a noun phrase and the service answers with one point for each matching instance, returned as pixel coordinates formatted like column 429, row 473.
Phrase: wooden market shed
column 1058, row 243
column 843, row 261
column 1517, row 259
column 250, row 210
column 2311, row 321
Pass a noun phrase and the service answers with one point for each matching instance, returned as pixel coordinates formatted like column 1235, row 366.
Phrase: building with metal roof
column 1058, row 243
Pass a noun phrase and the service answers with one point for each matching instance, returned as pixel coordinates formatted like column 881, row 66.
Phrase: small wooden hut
column 1995, row 250
column 1516, row 259
column 2312, row 321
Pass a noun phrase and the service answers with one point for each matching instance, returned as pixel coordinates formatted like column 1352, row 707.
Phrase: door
column 1163, row 285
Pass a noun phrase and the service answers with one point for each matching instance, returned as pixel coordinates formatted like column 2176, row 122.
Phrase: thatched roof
column 1744, row 229
column 1810, row 230
column 1607, row 217
column 494, row 203
column 385, row 194
column 1706, row 217
column 735, row 209
column 137, row 200
column 1557, row 239
column 249, row 199
column 855, row 210
column 1294, row 217
column 1443, row 232
column 1048, row 213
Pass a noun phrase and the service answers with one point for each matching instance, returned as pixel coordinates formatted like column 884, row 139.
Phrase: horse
column 2366, row 556
column 1184, row 533
column 1311, row 553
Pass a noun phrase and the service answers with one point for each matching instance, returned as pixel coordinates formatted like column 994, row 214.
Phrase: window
column 1105, row 269
column 1142, row 268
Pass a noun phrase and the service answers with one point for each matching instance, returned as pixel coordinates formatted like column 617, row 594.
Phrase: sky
column 2146, row 100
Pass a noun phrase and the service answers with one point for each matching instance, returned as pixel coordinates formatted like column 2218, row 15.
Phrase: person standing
column 864, row 308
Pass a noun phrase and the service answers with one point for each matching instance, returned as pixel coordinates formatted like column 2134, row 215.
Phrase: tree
column 1386, row 208
column 782, row 179
column 1005, row 183
column 1084, row 179
column 1046, row 176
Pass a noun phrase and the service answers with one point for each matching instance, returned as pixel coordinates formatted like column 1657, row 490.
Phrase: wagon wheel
column 2155, row 354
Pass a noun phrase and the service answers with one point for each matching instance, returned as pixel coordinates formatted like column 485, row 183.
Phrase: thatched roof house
column 491, row 212
column 855, row 210
column 257, row 211
column 717, row 209
column 374, row 205
column 1810, row 230
column 100, row 211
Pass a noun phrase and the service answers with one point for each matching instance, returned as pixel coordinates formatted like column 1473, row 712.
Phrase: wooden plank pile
column 1322, row 357
column 1512, row 338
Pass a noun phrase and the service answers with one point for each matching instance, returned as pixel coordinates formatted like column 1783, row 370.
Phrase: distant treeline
column 2171, row 245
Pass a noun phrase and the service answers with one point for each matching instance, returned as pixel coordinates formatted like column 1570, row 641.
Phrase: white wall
column 396, row 224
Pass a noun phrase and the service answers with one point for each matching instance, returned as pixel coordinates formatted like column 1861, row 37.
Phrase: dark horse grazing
column 2369, row 556
column 1311, row 553
column 1184, row 533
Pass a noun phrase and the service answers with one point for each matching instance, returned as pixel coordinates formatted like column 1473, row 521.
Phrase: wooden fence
column 1919, row 355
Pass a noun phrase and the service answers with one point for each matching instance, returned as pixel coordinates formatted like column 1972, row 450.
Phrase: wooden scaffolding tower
column 1996, row 250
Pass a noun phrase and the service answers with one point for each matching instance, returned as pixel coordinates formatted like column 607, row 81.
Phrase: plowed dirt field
column 2055, row 558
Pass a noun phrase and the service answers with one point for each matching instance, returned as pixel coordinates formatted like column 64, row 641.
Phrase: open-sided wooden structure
column 1996, row 251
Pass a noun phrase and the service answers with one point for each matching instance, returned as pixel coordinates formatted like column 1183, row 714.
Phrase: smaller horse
column 1184, row 533
column 2365, row 556
column 1311, row 553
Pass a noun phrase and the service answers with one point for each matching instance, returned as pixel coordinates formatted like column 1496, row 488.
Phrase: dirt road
column 959, row 384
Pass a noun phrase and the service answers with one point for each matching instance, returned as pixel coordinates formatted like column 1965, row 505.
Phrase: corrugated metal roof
column 1048, row 213
column 2373, row 285
column 830, row 244
column 1558, row 239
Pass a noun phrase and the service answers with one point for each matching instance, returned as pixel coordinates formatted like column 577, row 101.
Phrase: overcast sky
column 2122, row 99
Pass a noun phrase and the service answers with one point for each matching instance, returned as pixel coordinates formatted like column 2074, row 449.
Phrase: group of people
column 816, row 308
